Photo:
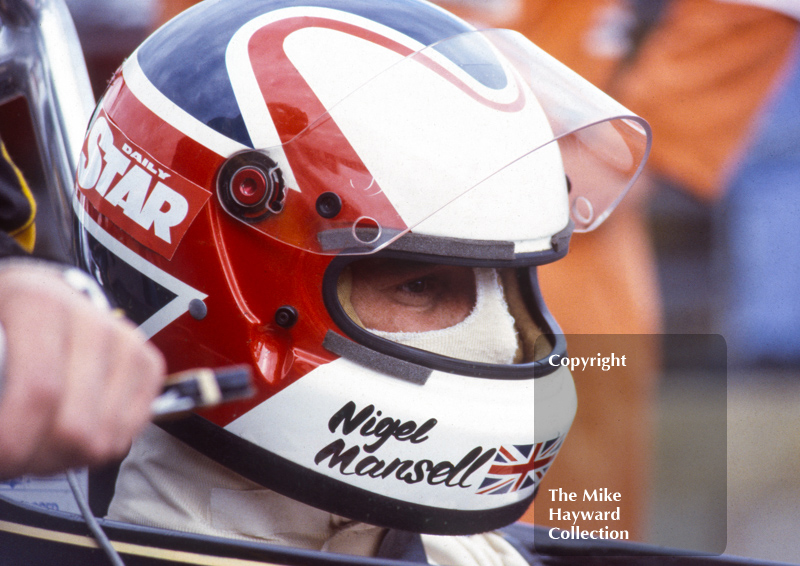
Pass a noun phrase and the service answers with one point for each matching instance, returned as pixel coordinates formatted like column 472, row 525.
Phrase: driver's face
column 407, row 296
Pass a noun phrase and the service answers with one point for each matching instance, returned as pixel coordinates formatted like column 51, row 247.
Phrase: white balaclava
column 487, row 334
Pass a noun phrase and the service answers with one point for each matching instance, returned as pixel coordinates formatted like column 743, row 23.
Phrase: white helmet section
column 379, row 434
column 428, row 132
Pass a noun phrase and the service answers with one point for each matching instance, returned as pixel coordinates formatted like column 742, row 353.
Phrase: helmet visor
column 484, row 119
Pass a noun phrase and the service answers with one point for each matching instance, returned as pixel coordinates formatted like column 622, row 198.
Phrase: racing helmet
column 254, row 162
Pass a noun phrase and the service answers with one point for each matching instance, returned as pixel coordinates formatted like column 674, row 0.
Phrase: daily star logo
column 129, row 187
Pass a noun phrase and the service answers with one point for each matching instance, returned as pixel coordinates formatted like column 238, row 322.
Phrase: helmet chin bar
column 312, row 488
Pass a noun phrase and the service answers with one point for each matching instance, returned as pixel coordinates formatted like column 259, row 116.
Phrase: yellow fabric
column 530, row 347
column 25, row 235
column 344, row 287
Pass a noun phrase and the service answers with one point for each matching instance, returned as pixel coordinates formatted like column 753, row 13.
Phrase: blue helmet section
column 189, row 68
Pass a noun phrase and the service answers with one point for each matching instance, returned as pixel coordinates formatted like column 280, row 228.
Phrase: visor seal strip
column 375, row 360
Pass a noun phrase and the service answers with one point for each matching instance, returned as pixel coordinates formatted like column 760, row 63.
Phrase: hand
column 78, row 382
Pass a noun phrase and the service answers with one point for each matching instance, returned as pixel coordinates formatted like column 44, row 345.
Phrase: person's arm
column 77, row 382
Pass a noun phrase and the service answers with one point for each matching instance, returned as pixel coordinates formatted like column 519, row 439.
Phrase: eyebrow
column 398, row 272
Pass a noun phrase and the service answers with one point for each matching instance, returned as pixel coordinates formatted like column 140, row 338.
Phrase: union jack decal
column 519, row 467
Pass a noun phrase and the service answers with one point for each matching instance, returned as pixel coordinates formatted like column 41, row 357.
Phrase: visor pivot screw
column 249, row 186
column 198, row 309
column 286, row 316
column 329, row 205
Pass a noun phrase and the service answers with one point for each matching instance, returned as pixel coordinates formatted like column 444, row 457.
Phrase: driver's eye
column 409, row 296
column 416, row 286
